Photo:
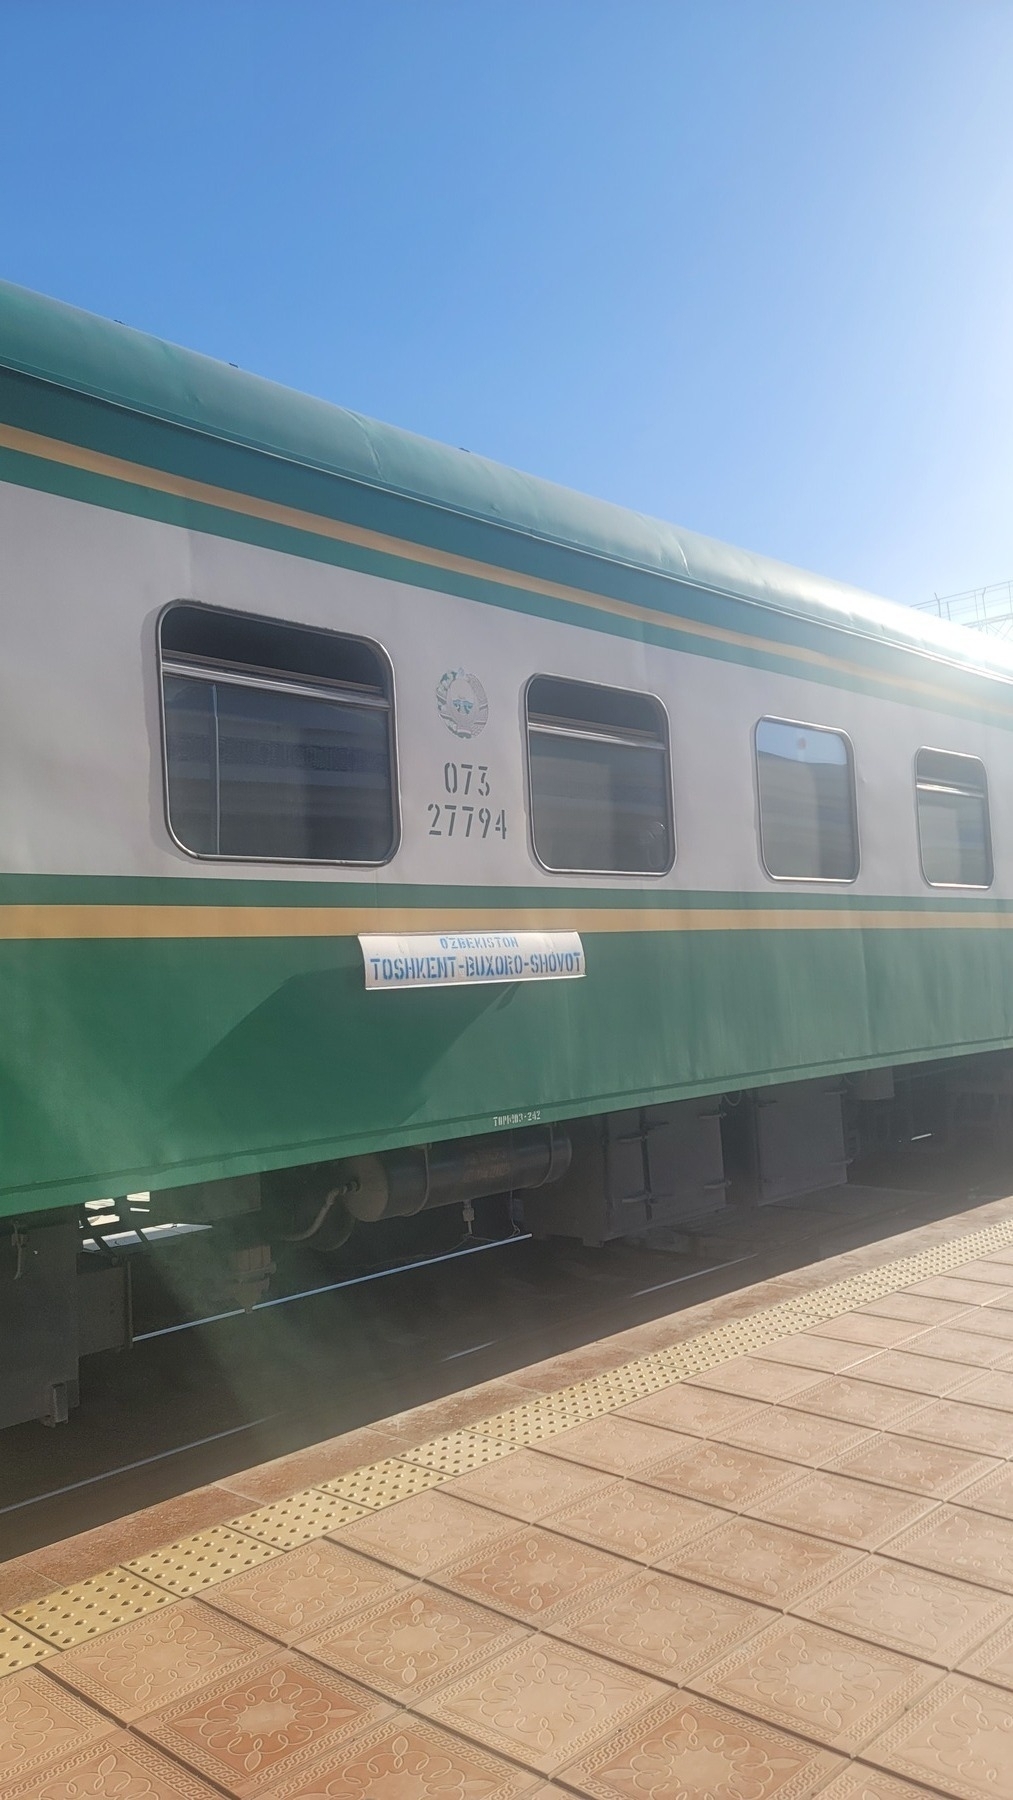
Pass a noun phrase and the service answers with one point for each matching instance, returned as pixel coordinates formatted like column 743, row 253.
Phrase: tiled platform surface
column 761, row 1549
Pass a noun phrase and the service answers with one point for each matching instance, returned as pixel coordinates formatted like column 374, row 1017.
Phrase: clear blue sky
column 746, row 264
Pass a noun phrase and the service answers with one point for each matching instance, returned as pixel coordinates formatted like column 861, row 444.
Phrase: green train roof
column 77, row 351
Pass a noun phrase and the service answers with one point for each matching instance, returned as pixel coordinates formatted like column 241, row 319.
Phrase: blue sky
column 744, row 264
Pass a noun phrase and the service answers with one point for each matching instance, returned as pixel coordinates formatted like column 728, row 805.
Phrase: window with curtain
column 601, row 797
column 278, row 740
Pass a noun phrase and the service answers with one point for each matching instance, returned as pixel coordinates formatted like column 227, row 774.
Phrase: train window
column 601, row 797
column 808, row 824
column 953, row 829
column 278, row 740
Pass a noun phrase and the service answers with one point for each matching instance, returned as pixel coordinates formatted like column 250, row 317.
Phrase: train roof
column 82, row 353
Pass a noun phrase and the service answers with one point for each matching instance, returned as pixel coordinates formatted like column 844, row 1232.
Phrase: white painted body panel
column 81, row 790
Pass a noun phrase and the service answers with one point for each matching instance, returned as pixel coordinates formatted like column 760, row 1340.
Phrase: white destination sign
column 452, row 958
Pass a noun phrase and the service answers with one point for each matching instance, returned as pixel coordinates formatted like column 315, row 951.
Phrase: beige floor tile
column 622, row 1446
column 414, row 1642
column 993, row 1493
column 985, row 1269
column 259, row 1726
column 40, row 1722
column 304, row 1591
column 924, row 1614
column 993, row 1660
column 964, row 1293
column 836, row 1506
column 722, row 1474
column 858, row 1783
column 917, row 1309
column 986, row 1321
column 861, row 1328
column 951, row 1344
column 807, row 1350
column 657, row 1623
column 753, row 1379
column 761, row 1562
column 532, row 1573
column 832, row 1688
column 957, row 1741
column 798, row 1437
column 422, row 1533
column 856, row 1402
column 976, row 1546
column 543, row 1702
column 981, row 1428
column 992, row 1387
column 918, row 1374
column 634, row 1520
column 702, row 1412
column 157, row 1659
column 118, row 1767
column 408, row 1758
column 688, row 1748
column 920, row 1467
column 529, row 1485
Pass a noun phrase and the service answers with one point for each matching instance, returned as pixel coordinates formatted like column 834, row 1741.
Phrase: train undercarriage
column 77, row 1282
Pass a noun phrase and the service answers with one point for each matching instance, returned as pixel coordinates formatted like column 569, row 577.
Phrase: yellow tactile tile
column 84, row 1610
column 383, row 1483
column 458, row 1452
column 20, row 1649
column 298, row 1519
column 197, row 1562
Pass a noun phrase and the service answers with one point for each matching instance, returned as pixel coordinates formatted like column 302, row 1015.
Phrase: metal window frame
column 835, row 881
column 309, row 690
column 968, row 756
column 609, row 735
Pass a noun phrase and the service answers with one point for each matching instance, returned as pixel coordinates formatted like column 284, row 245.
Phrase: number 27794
column 450, row 818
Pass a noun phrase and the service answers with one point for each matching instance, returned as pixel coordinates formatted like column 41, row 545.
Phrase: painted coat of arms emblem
column 461, row 703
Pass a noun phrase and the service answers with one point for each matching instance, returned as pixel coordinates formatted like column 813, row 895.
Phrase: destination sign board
column 463, row 958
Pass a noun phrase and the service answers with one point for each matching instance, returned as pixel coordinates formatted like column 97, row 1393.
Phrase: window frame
column 835, row 881
column 974, row 887
column 297, row 686
column 606, row 687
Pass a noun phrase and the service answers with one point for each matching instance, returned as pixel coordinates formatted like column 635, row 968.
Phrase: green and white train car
column 380, row 828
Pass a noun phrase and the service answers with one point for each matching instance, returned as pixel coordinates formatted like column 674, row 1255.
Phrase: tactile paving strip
column 88, row 1609
column 551, row 1413
column 458, row 1452
column 297, row 1520
column 99, row 1604
column 381, row 1483
column 198, row 1562
column 19, row 1649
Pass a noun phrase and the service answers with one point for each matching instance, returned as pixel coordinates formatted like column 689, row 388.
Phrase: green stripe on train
column 112, row 1080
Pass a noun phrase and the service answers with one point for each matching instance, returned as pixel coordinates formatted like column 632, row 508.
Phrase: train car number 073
column 462, row 814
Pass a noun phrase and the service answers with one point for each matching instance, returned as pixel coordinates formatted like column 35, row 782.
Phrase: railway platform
column 759, row 1550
